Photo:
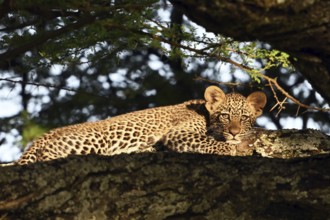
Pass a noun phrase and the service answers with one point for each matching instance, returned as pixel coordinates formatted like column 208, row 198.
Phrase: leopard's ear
column 257, row 100
column 214, row 96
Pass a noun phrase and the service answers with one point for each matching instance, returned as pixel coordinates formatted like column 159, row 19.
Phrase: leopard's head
column 233, row 115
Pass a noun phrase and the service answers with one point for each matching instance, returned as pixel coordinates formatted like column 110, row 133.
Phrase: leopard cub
column 216, row 125
column 224, row 126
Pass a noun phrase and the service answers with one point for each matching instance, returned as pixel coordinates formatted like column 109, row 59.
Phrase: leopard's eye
column 244, row 117
column 224, row 116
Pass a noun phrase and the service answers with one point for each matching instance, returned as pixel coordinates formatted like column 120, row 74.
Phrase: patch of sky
column 84, row 64
column 291, row 122
column 10, row 101
column 224, row 72
column 321, row 100
column 86, row 110
column 264, row 122
column 103, row 80
column 56, row 69
column 118, row 78
column 242, row 76
column 164, row 15
column 72, row 82
column 302, row 88
column 151, row 92
column 9, row 150
column 312, row 124
column 154, row 63
column 292, row 80
column 166, row 72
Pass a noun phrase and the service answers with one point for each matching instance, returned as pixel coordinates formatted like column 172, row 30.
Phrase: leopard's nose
column 234, row 129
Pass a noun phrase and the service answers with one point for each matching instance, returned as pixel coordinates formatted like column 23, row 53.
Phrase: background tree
column 76, row 61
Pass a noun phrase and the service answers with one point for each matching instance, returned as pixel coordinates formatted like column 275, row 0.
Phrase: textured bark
column 177, row 186
column 291, row 143
column 301, row 28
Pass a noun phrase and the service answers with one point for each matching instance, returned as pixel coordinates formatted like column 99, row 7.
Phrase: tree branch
column 236, row 64
column 38, row 40
column 167, row 185
column 299, row 28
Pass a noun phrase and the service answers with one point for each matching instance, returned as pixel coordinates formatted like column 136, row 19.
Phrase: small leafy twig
column 278, row 102
column 274, row 81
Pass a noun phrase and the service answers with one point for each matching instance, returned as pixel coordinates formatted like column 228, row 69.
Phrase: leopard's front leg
column 192, row 141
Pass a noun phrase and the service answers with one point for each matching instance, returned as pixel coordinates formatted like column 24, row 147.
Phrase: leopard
column 216, row 124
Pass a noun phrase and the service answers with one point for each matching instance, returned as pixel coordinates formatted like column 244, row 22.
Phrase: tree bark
column 168, row 185
column 300, row 28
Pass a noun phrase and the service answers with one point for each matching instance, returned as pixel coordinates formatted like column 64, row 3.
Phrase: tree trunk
column 168, row 185
column 300, row 28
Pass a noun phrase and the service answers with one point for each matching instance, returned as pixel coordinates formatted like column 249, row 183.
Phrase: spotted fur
column 214, row 125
